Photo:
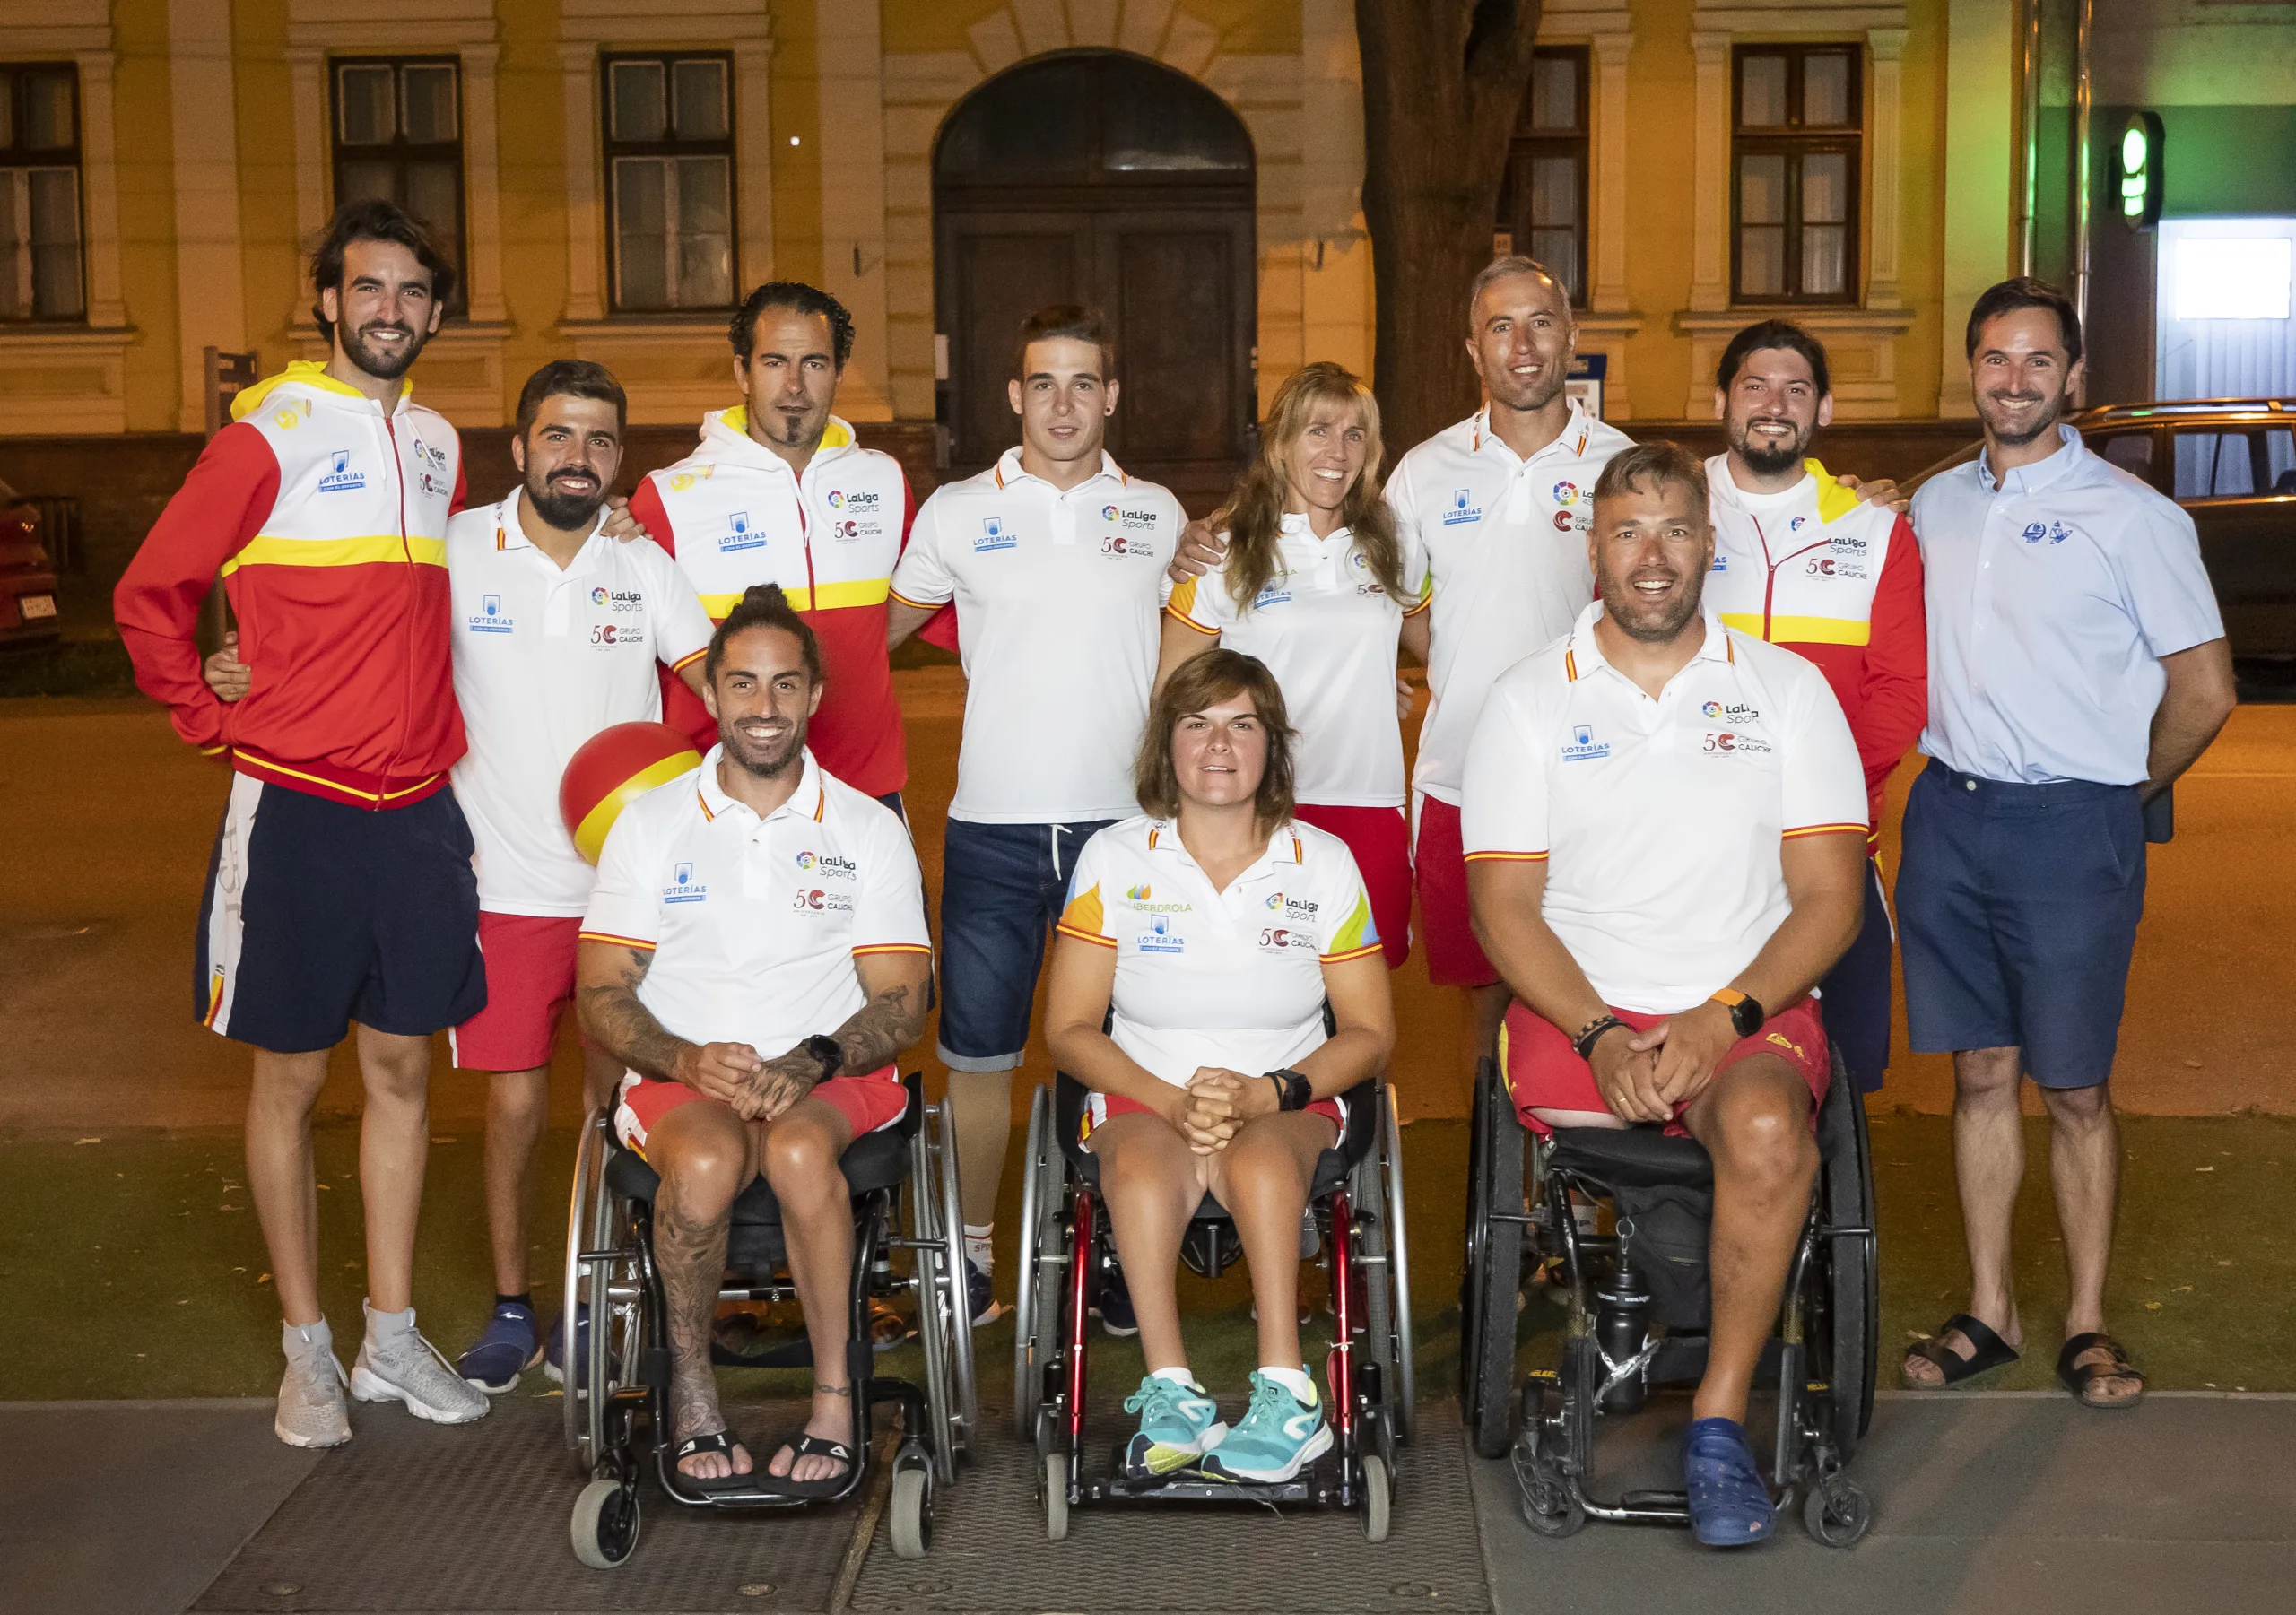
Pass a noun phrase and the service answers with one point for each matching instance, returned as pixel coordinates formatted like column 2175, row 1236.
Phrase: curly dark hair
column 799, row 299
column 376, row 220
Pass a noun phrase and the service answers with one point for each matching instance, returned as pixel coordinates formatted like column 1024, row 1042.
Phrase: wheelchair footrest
column 1188, row 1487
column 1655, row 1499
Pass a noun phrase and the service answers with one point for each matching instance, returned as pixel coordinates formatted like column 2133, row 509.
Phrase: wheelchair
column 903, row 1181
column 1067, row 1246
column 1637, row 1300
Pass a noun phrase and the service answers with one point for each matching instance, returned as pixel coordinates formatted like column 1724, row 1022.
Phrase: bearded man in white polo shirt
column 755, row 954
column 1664, row 831
column 1055, row 561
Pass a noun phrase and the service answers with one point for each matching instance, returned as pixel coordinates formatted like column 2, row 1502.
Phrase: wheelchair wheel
column 605, row 1527
column 952, row 1223
column 942, row 1325
column 910, row 1513
column 1837, row 1513
column 589, row 1184
column 1849, row 1281
column 1056, row 1497
column 609, row 1287
column 1037, row 1335
column 1378, row 1189
column 1488, row 1324
column 1378, row 1499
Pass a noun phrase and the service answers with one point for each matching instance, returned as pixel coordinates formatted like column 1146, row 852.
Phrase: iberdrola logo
column 1139, row 894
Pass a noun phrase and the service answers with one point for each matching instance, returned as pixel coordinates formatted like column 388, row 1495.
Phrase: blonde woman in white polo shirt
column 1207, row 935
column 1311, row 584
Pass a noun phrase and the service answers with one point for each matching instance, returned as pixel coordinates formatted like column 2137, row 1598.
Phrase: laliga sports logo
column 1795, row 525
column 1110, row 513
column 597, row 596
column 806, row 860
column 1566, row 493
column 1275, row 899
column 1712, row 709
column 836, row 500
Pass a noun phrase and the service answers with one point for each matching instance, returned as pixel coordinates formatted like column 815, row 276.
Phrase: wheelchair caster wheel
column 605, row 1527
column 1378, row 1499
column 911, row 1514
column 1837, row 1514
column 1056, row 1497
column 1551, row 1508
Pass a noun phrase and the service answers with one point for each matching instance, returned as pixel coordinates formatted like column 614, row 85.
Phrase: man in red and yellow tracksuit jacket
column 1804, row 563
column 734, row 515
column 341, row 887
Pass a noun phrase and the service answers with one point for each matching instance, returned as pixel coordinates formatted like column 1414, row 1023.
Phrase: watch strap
column 1293, row 1091
column 1591, row 1033
column 830, row 1052
column 1746, row 1013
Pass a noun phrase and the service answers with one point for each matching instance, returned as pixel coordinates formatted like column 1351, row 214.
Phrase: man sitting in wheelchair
column 756, row 905
column 1207, row 936
column 1665, row 821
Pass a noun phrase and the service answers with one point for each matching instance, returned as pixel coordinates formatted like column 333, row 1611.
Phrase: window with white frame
column 398, row 137
column 40, row 274
column 1795, row 151
column 669, row 150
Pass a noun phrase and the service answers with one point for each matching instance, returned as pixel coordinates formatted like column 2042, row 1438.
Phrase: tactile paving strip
column 411, row 1516
column 990, row 1555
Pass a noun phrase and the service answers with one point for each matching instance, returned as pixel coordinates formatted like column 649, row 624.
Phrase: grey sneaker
column 408, row 1368
column 311, row 1408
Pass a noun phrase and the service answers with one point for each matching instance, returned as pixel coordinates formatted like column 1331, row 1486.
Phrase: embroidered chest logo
column 1583, row 747
column 1296, row 911
column 621, row 600
column 2056, row 532
column 1120, row 543
column 1282, row 938
column 855, row 515
column 1159, row 938
column 829, row 866
column 340, row 477
column 1567, row 494
column 739, row 534
column 683, row 888
column 490, row 618
column 995, row 534
column 1460, row 511
column 1733, row 743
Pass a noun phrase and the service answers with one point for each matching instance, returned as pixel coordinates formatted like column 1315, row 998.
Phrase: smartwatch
column 829, row 1051
column 1292, row 1090
column 1746, row 1014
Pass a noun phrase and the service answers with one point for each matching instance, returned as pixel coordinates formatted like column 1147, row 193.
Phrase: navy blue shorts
column 2019, row 905
column 1002, row 887
column 318, row 914
column 1854, row 999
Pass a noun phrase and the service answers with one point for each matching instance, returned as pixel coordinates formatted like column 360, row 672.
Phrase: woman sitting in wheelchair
column 1207, row 936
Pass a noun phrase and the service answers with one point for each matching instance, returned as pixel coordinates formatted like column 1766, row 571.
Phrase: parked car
column 2232, row 463
column 27, row 575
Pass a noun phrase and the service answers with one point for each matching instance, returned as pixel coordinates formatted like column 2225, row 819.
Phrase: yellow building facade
column 209, row 139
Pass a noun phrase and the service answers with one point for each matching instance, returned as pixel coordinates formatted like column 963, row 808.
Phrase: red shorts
column 529, row 982
column 1101, row 1108
column 1545, row 1073
column 869, row 1103
column 1453, row 958
column 1380, row 839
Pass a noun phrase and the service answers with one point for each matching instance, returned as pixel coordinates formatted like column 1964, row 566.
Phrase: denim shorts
column 1002, row 887
column 2018, row 907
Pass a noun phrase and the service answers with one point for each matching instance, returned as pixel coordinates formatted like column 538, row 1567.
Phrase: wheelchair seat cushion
column 1632, row 1158
column 875, row 1160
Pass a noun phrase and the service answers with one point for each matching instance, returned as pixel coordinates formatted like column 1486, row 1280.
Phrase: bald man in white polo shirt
column 1664, row 831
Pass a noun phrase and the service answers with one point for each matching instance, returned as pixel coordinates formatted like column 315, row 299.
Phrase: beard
column 2044, row 419
column 1650, row 624
column 1763, row 457
column 381, row 365
column 1536, row 394
column 766, row 759
column 566, row 512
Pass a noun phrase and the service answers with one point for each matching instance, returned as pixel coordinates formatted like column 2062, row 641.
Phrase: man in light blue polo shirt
column 2077, row 665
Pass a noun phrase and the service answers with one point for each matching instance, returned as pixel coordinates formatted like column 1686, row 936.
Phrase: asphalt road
column 110, row 821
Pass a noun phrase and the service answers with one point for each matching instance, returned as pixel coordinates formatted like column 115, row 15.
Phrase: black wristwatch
column 829, row 1051
column 1292, row 1090
column 1746, row 1014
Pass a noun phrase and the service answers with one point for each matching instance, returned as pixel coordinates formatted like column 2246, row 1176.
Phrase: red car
column 27, row 575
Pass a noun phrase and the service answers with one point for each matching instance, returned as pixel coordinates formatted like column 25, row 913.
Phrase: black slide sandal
column 1988, row 1351
column 2077, row 1379
column 811, row 1447
column 715, row 1441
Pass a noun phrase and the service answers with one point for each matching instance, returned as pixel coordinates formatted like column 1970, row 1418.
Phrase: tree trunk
column 1443, row 81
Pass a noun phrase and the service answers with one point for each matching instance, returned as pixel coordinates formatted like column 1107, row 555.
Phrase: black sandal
column 811, row 1447
column 2078, row 1377
column 1987, row 1351
column 715, row 1441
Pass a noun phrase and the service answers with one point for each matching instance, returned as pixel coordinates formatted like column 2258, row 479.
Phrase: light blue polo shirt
column 2052, row 599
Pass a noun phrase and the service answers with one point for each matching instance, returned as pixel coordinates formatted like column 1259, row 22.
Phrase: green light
column 2141, row 170
column 2132, row 152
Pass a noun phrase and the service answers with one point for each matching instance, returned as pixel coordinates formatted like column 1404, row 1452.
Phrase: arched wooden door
column 1102, row 177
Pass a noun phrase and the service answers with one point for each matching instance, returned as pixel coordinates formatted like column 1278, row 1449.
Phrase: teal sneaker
column 1179, row 1424
column 1280, row 1436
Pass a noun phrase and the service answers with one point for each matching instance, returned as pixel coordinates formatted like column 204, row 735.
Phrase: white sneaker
column 408, row 1368
column 311, row 1408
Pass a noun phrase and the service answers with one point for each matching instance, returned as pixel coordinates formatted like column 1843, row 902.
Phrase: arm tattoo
column 625, row 1027
column 881, row 1028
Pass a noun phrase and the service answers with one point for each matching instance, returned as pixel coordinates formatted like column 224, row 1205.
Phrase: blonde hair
column 1254, row 514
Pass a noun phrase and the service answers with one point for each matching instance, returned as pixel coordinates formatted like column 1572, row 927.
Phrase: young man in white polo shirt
column 1664, row 829
column 755, row 954
column 1055, row 561
column 558, row 631
column 2077, row 665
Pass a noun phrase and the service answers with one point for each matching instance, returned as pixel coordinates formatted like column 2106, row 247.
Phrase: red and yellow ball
column 611, row 768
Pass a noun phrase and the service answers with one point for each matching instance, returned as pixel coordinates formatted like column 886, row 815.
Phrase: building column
column 482, row 187
column 1606, row 291
column 1885, row 46
column 1979, row 223
column 1710, row 277
column 210, row 302
column 753, row 162
column 100, row 182
column 848, row 55
column 585, row 226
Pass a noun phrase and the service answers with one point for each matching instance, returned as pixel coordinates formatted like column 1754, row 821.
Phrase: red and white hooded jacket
column 1839, row 581
column 327, row 515
column 734, row 515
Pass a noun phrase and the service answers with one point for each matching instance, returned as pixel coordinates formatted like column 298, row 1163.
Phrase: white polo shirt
column 545, row 658
column 1661, row 820
column 1058, row 596
column 754, row 923
column 2052, row 599
column 1499, row 544
column 1327, row 629
column 1230, row 979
